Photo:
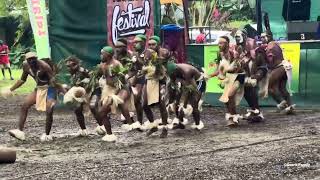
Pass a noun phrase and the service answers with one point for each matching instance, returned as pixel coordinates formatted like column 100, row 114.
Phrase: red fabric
column 201, row 38
column 4, row 59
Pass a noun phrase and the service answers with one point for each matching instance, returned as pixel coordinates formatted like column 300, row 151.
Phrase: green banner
column 210, row 54
column 291, row 52
column 38, row 19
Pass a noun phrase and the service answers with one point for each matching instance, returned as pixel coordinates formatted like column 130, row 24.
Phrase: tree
column 15, row 11
column 12, row 7
column 218, row 13
column 18, row 10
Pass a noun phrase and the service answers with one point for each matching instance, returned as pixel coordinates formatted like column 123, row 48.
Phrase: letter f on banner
column 38, row 19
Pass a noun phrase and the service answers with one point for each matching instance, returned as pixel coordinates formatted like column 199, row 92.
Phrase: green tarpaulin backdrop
column 80, row 28
column 277, row 23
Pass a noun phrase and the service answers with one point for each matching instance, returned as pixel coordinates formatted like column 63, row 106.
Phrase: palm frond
column 94, row 80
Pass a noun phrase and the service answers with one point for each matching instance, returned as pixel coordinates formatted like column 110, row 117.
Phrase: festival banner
column 291, row 52
column 38, row 20
column 127, row 18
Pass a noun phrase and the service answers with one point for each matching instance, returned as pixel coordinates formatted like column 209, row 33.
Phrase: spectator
column 201, row 38
column 4, row 59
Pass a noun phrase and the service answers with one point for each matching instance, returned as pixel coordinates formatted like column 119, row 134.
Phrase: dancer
column 115, row 97
column 280, row 73
column 154, row 91
column 232, row 79
column 137, row 79
column 44, row 96
column 80, row 79
column 255, row 71
column 123, row 55
column 188, row 94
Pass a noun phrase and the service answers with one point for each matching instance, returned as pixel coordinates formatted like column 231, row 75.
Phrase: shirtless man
column 245, row 50
column 79, row 84
column 44, row 96
column 154, row 91
column 154, row 43
column 121, row 52
column 193, row 86
column 232, row 79
column 115, row 95
column 278, row 70
column 135, row 78
column 123, row 55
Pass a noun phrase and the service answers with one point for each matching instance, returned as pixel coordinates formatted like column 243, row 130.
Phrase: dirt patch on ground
column 282, row 147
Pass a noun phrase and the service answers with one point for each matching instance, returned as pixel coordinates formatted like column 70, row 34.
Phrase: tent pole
column 186, row 21
column 259, row 16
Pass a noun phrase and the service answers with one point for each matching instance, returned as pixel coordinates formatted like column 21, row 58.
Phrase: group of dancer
column 127, row 83
column 249, row 70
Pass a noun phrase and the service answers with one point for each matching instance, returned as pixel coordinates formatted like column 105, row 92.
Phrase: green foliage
column 126, row 61
column 167, row 20
column 94, row 79
column 119, row 70
column 17, row 55
column 17, row 9
column 169, row 17
column 238, row 10
column 23, row 41
column 189, row 88
column 8, row 6
column 61, row 73
column 118, row 75
column 201, row 13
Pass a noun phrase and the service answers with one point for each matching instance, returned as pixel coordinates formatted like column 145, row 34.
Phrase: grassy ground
column 24, row 89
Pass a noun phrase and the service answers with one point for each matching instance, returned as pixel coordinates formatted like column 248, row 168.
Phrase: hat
column 171, row 67
column 31, row 55
column 140, row 37
column 121, row 42
column 107, row 49
column 155, row 38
